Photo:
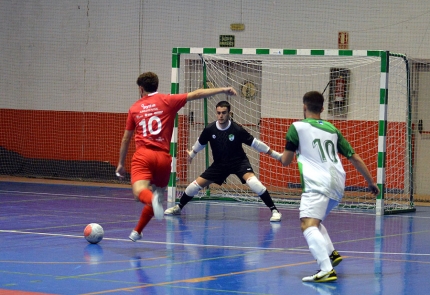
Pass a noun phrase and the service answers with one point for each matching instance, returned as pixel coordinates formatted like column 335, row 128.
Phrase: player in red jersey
column 151, row 119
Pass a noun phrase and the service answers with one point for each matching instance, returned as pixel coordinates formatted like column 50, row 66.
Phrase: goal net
column 366, row 98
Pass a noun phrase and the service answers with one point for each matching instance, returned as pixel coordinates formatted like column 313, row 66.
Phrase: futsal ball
column 93, row 233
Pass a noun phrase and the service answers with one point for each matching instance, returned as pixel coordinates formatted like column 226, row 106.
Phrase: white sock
column 330, row 247
column 318, row 248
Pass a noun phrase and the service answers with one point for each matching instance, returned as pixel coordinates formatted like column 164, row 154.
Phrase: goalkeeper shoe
column 276, row 216
column 322, row 277
column 335, row 258
column 175, row 210
column 134, row 236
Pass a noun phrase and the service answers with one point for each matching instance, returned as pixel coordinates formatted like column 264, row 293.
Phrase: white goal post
column 270, row 83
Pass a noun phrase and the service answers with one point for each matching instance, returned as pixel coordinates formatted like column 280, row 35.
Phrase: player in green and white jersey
column 317, row 144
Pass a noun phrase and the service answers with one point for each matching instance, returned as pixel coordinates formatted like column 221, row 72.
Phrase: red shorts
column 152, row 165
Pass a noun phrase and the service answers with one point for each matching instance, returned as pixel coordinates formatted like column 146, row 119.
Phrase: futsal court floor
column 212, row 248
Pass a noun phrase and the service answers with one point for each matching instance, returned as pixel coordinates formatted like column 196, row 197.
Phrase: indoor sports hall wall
column 68, row 68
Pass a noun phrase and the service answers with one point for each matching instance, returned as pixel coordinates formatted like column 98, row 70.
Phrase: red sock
column 145, row 196
column 145, row 217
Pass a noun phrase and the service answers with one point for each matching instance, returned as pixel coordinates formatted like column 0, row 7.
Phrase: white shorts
column 316, row 205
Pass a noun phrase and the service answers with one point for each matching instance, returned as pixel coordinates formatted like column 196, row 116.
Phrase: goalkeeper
column 226, row 138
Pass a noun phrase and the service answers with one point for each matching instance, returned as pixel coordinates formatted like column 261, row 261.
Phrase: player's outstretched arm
column 287, row 157
column 261, row 147
column 202, row 93
column 361, row 167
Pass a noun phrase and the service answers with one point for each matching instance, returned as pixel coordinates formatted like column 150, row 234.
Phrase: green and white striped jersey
column 317, row 144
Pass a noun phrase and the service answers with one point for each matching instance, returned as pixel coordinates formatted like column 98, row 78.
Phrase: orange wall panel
column 61, row 135
column 86, row 136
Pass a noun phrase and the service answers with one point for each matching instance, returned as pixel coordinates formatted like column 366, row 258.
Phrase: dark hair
column 149, row 81
column 224, row 104
column 314, row 101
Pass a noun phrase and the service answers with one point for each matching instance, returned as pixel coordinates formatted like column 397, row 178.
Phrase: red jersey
column 152, row 118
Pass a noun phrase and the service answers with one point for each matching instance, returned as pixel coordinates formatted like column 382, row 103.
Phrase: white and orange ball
column 93, row 233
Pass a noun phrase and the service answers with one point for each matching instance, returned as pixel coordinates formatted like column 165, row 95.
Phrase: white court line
column 62, row 195
column 151, row 242
column 211, row 246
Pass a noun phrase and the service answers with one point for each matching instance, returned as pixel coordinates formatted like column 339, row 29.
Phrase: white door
column 422, row 159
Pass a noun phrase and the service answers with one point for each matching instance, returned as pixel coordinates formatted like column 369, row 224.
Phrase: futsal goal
column 366, row 97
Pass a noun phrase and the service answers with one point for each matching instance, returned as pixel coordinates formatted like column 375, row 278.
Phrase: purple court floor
column 212, row 248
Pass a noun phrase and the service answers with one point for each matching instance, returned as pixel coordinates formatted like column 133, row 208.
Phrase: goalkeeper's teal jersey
column 317, row 144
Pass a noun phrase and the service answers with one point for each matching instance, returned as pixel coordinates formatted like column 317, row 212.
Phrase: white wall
column 86, row 55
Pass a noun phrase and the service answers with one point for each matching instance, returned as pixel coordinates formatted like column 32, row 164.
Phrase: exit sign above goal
column 226, row 40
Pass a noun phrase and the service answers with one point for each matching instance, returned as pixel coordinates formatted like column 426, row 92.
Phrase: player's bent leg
column 157, row 201
column 145, row 196
column 335, row 257
column 139, row 186
column 316, row 243
column 313, row 208
column 257, row 187
column 192, row 189
column 145, row 216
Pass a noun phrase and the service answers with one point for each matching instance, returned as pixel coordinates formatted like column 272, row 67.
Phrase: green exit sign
column 226, row 40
